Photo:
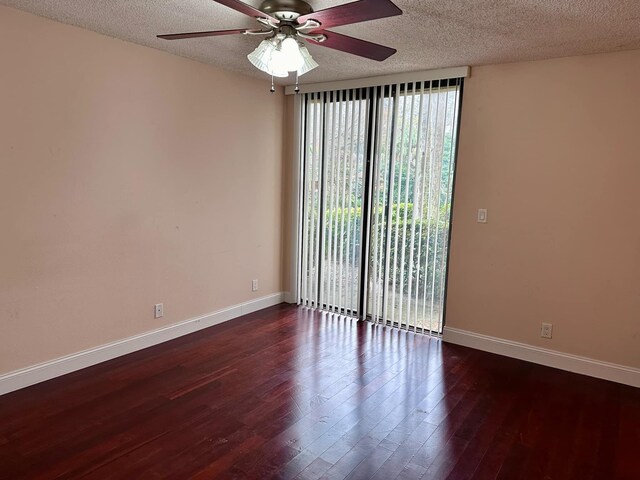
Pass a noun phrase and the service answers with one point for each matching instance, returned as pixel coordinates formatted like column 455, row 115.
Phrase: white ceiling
column 430, row 34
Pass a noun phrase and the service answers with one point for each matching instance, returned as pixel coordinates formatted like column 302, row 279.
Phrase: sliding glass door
column 378, row 167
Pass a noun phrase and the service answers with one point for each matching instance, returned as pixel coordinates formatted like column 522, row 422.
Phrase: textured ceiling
column 430, row 34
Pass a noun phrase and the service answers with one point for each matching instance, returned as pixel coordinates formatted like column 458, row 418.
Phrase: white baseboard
column 543, row 356
column 60, row 366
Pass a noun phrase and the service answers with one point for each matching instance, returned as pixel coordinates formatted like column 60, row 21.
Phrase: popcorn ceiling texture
column 430, row 34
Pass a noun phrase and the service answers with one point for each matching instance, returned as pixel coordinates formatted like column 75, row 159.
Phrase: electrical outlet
column 482, row 215
column 547, row 330
column 254, row 285
column 158, row 310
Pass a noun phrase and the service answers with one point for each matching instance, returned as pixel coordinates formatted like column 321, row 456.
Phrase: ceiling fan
column 287, row 22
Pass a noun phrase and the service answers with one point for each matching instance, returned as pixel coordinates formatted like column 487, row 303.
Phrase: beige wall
column 128, row 177
column 552, row 150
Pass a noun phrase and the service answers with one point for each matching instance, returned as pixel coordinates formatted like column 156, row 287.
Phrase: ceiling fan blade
column 246, row 9
column 355, row 46
column 213, row 33
column 354, row 12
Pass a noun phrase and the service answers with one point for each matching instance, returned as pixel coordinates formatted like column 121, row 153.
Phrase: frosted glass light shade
column 262, row 56
column 278, row 61
column 291, row 54
column 308, row 63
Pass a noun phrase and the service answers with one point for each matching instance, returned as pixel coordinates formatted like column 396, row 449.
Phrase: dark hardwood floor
column 288, row 393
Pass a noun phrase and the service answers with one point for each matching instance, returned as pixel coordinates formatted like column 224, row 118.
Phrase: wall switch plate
column 158, row 310
column 254, row 285
column 547, row 330
column 482, row 215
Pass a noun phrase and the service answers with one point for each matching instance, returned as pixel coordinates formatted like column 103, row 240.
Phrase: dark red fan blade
column 354, row 12
column 213, row 33
column 355, row 46
column 246, row 9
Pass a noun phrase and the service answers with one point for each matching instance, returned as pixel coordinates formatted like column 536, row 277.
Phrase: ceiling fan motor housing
column 287, row 10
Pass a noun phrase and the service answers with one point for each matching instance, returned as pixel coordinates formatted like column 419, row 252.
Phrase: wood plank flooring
column 287, row 393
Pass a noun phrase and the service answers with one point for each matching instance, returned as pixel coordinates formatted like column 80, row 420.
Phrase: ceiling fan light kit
column 278, row 57
column 287, row 23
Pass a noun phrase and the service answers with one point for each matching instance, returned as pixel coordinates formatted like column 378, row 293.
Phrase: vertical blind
column 333, row 177
column 377, row 177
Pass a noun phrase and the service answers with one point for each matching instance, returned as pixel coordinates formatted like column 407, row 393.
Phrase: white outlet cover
column 482, row 215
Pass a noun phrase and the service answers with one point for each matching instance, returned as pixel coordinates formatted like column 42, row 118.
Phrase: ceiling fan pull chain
column 297, row 89
column 273, row 87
